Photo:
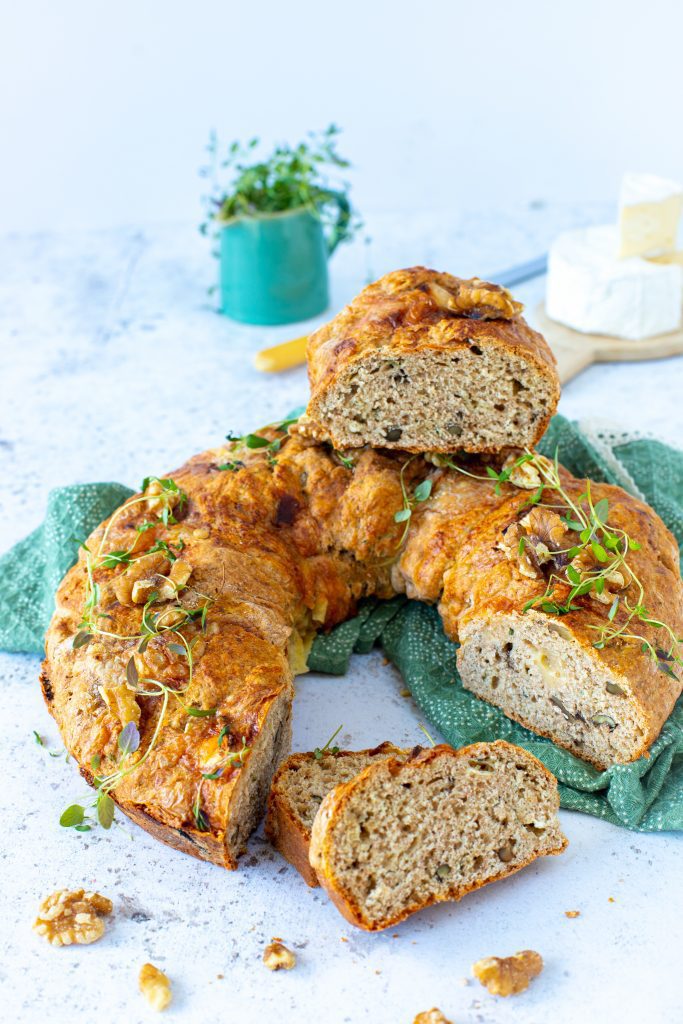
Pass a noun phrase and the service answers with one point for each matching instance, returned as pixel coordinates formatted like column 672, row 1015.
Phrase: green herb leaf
column 201, row 712
column 178, row 649
column 572, row 575
column 423, row 490
column 254, row 441
column 129, row 739
column 599, row 551
column 601, row 510
column 38, row 738
column 132, row 673
column 106, row 808
column 402, row 515
column 613, row 609
column 81, row 639
column 73, row 815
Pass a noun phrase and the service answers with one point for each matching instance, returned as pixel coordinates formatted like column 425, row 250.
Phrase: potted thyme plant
column 277, row 220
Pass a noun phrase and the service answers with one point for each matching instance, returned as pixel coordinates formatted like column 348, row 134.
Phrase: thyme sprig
column 171, row 619
column 255, row 442
column 419, row 495
column 320, row 752
column 608, row 547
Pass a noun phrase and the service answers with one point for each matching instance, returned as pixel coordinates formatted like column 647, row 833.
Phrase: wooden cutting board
column 575, row 351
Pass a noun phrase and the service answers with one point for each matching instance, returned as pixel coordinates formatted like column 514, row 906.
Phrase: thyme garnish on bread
column 164, row 497
column 586, row 555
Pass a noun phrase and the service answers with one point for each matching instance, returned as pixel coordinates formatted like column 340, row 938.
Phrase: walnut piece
column 509, row 975
column 277, row 957
column 155, row 987
column 535, row 541
column 72, row 916
column 121, row 702
column 433, row 1016
column 166, row 587
column 525, row 476
column 476, row 298
column 158, row 498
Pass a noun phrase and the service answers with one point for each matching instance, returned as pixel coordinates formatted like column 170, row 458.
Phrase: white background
column 105, row 107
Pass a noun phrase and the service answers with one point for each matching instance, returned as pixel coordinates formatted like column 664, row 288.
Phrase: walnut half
column 72, row 916
column 509, row 975
column 155, row 987
column 433, row 1016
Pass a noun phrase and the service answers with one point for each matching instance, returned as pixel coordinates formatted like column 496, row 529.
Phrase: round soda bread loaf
column 430, row 827
column 193, row 608
column 423, row 361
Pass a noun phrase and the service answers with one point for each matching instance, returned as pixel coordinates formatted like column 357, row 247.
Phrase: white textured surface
column 114, row 366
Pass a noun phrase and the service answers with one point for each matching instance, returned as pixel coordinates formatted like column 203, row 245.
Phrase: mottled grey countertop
column 113, row 365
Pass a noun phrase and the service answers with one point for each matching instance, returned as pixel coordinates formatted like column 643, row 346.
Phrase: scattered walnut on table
column 155, row 987
column 433, row 1016
column 277, row 957
column 509, row 975
column 71, row 916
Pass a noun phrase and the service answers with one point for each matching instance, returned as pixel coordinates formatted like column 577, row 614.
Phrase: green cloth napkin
column 646, row 795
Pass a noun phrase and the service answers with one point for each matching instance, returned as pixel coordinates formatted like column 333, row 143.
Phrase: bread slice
column 426, row 362
column 404, row 834
column 299, row 787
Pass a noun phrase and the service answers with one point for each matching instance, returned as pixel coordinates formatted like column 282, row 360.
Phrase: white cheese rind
column 592, row 291
column 649, row 214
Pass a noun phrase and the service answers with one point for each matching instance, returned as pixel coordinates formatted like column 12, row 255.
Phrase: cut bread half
column 404, row 834
column 299, row 787
column 541, row 675
column 426, row 362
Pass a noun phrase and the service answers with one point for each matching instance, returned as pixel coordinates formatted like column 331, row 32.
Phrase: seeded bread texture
column 299, row 787
column 404, row 834
column 424, row 361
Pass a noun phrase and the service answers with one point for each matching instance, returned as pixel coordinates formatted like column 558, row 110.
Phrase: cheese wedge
column 649, row 214
column 591, row 290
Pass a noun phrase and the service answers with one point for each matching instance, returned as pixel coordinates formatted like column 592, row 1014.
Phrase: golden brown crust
column 332, row 807
column 284, row 829
column 400, row 315
column 483, row 581
column 282, row 550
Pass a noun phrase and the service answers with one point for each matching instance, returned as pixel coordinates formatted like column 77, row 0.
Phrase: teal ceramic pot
column 274, row 267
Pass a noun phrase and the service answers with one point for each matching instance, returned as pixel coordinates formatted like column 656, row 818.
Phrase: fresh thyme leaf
column 422, row 491
column 634, row 545
column 73, row 815
column 129, row 739
column 106, row 808
column 601, row 510
column 213, row 775
column 521, row 545
column 346, row 462
column 114, row 558
column 81, row 639
column 95, row 761
column 613, row 609
column 132, row 673
column 254, row 441
column 82, row 828
column 230, row 467
column 178, row 649
column 573, row 575
column 38, row 738
column 201, row 712
column 403, row 515
column 225, row 731
column 319, row 752
column 599, row 551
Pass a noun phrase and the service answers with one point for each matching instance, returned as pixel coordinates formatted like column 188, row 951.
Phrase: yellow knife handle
column 283, row 356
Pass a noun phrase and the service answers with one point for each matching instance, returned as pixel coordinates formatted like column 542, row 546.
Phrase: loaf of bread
column 247, row 550
column 425, row 362
column 299, row 787
column 411, row 831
